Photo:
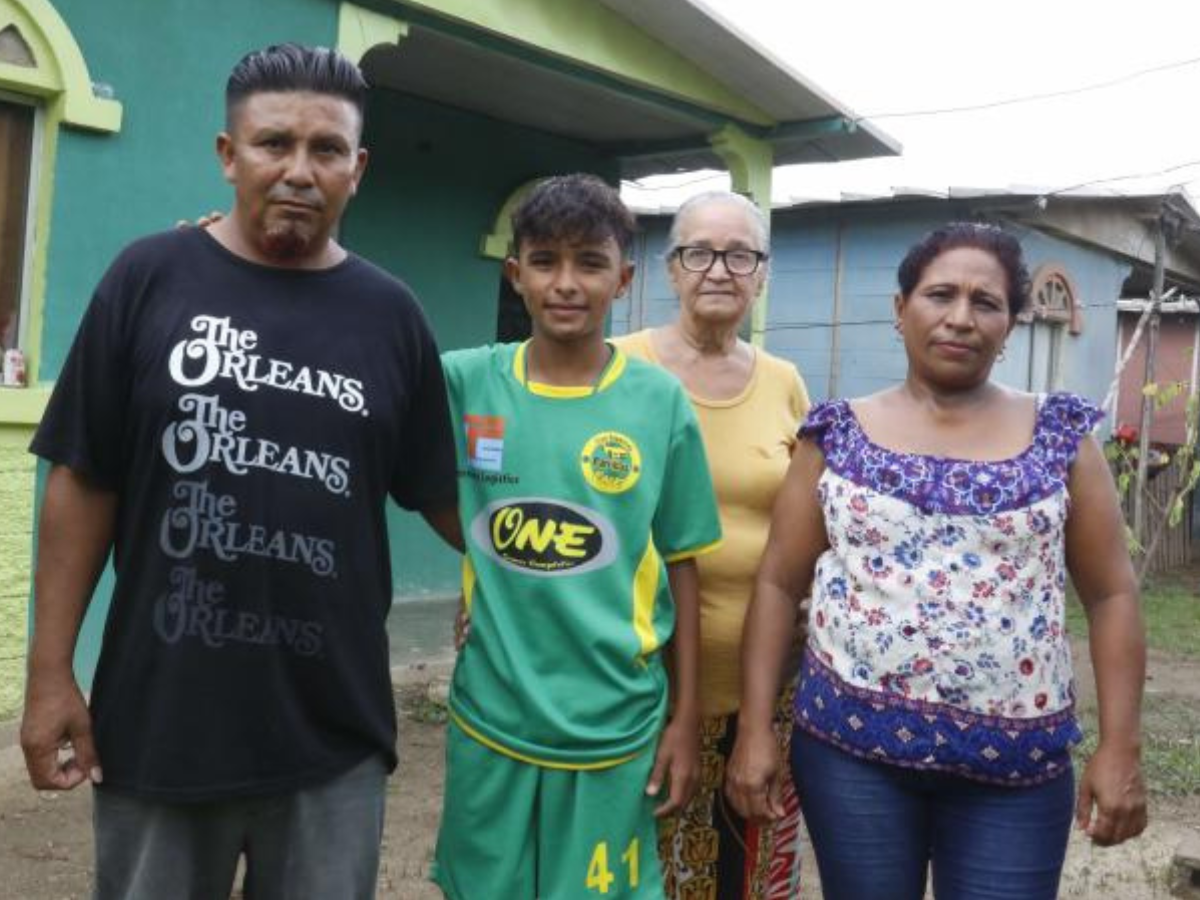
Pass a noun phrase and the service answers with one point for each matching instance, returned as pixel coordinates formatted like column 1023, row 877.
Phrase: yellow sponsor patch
column 611, row 462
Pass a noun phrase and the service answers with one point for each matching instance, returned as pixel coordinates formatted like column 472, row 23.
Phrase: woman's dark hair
column 976, row 235
column 577, row 208
column 294, row 67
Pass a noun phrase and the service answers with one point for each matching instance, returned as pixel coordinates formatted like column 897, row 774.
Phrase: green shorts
column 520, row 831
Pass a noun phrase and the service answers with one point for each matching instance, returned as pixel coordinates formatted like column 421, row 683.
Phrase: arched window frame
column 55, row 79
column 1052, row 280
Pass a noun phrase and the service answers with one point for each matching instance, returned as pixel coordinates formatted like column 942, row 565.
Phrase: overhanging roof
column 700, row 34
column 647, row 128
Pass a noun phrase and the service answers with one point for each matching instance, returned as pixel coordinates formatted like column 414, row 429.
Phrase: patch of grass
column 1170, row 721
column 1171, row 609
column 1170, row 733
column 1170, row 743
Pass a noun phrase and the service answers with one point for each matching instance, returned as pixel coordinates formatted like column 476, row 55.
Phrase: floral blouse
column 936, row 633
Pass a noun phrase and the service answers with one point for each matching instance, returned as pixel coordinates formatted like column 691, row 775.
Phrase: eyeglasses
column 737, row 262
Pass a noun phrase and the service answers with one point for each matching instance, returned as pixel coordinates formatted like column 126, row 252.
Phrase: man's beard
column 287, row 241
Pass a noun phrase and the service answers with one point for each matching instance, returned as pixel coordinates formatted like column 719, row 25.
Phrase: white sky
column 878, row 56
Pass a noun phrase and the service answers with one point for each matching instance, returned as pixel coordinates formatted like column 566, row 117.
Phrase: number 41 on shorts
column 600, row 876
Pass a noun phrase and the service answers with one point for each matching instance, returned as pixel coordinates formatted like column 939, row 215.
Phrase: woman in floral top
column 937, row 522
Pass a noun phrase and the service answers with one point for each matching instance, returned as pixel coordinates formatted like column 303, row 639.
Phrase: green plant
column 1123, row 454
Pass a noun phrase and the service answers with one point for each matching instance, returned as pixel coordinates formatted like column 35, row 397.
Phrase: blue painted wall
column 821, row 254
column 650, row 301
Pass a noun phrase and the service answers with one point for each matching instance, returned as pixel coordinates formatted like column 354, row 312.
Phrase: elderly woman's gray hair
column 754, row 214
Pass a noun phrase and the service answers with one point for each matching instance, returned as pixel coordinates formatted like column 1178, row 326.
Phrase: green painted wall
column 435, row 182
column 17, row 474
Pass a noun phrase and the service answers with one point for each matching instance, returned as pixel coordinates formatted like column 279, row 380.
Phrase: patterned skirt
column 709, row 852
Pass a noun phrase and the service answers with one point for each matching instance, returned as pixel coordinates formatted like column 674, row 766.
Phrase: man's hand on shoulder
column 203, row 222
column 57, row 719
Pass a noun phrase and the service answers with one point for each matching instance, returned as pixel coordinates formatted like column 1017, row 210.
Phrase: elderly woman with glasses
column 749, row 405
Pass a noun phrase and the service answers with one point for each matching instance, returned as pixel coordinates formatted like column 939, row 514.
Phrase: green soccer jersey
column 572, row 500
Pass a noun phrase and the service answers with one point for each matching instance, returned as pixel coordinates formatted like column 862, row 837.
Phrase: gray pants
column 320, row 843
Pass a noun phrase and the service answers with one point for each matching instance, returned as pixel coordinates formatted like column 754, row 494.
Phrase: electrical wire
column 638, row 186
column 1126, row 177
column 1031, row 98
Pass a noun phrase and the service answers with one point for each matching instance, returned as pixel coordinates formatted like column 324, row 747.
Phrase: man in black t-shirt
column 235, row 410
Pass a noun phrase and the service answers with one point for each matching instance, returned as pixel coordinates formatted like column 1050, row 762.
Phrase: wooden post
column 1139, row 494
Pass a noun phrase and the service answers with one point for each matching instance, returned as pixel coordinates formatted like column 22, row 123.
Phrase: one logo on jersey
column 545, row 537
column 485, row 442
column 611, row 462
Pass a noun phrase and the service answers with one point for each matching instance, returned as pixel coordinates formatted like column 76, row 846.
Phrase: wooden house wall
column 1174, row 362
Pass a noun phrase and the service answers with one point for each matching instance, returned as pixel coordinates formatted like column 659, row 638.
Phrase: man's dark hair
column 977, row 236
column 577, row 208
column 294, row 67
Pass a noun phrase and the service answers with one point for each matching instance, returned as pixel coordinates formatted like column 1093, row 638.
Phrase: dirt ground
column 46, row 854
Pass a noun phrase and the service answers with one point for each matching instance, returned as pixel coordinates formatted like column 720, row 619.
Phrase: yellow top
column 749, row 439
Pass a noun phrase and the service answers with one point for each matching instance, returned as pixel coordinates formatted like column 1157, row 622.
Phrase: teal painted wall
column 435, row 181
column 167, row 65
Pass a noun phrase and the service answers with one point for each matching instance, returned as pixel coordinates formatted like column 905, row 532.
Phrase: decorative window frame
column 59, row 84
column 1053, row 280
column 24, row 303
column 498, row 242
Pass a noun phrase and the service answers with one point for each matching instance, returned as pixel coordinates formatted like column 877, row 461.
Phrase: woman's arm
column 1112, row 798
column 796, row 540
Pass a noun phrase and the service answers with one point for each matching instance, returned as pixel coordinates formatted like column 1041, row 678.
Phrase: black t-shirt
column 252, row 421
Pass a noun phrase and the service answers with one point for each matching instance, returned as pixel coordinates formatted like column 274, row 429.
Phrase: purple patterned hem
column 915, row 734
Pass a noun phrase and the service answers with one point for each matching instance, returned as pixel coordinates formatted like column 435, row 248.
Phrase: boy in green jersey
column 584, row 496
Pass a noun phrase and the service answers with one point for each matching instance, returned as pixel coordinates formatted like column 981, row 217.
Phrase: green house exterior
column 471, row 102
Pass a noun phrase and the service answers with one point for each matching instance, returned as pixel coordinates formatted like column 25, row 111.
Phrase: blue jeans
column 876, row 829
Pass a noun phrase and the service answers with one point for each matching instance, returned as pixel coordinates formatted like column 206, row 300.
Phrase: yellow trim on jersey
column 519, row 362
column 645, row 591
column 533, row 760
column 615, row 368
column 694, row 552
column 468, row 582
column 612, row 371
column 558, row 391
